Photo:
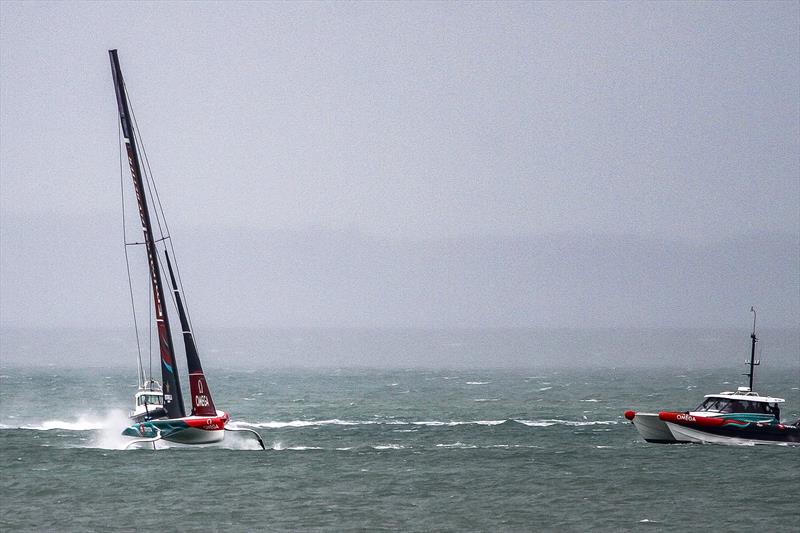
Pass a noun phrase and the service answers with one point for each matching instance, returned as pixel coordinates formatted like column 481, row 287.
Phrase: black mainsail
column 202, row 404
column 171, row 385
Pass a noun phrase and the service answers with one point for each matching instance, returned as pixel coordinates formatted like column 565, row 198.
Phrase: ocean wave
column 86, row 423
column 460, row 423
column 278, row 446
column 98, row 423
column 478, row 382
column 275, row 424
column 559, row 422
column 509, row 446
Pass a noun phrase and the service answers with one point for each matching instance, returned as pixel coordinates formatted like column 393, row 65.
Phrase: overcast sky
column 475, row 157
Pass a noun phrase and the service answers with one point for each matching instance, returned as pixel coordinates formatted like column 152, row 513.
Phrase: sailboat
column 159, row 411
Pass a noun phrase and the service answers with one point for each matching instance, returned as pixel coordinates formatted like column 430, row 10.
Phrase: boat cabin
column 149, row 402
column 742, row 402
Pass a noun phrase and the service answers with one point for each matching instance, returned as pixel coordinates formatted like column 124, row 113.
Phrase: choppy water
column 416, row 450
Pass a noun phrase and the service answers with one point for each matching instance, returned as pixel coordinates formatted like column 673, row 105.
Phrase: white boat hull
column 697, row 436
column 687, row 434
column 653, row 429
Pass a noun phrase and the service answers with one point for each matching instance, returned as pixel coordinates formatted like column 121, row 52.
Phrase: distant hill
column 72, row 273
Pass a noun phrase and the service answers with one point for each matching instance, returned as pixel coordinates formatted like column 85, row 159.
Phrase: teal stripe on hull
column 749, row 417
column 152, row 428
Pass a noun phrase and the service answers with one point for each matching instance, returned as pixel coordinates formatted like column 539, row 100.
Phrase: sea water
column 416, row 449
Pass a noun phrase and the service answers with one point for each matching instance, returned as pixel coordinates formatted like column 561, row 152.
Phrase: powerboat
column 740, row 417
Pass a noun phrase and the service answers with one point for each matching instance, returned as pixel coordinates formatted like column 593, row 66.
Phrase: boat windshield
column 150, row 399
column 712, row 404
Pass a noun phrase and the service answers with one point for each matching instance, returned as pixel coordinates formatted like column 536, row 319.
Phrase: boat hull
column 652, row 428
column 719, row 430
column 186, row 430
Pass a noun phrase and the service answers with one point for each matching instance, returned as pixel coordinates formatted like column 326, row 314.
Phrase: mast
column 202, row 404
column 753, row 363
column 171, row 385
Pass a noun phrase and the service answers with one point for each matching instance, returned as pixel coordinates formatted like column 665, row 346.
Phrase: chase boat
column 740, row 417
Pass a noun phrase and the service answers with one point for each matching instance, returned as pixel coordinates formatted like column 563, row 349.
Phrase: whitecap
column 478, row 382
column 458, row 423
column 276, row 424
column 83, row 423
column 302, row 423
column 536, row 423
column 433, row 423
column 556, row 421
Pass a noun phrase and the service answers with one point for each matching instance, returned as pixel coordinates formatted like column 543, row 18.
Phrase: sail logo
column 201, row 400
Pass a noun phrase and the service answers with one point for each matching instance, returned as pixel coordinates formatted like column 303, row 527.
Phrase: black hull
column 765, row 433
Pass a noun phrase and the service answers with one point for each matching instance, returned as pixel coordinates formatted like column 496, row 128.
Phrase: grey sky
column 417, row 125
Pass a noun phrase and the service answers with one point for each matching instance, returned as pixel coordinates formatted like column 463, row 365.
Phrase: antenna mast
column 753, row 363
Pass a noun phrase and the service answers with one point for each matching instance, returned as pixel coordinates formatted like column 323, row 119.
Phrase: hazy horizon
column 723, row 349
